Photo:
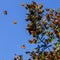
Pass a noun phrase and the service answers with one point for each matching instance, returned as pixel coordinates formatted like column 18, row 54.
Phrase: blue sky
column 13, row 36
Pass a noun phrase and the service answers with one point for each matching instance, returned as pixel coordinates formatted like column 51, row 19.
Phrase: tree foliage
column 44, row 26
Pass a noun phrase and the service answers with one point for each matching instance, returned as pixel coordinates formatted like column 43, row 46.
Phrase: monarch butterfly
column 59, row 34
column 23, row 46
column 15, row 22
column 5, row 12
column 22, row 4
column 34, row 41
column 47, row 9
column 41, row 6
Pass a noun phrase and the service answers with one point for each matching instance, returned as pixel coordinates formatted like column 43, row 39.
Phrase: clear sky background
column 13, row 36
